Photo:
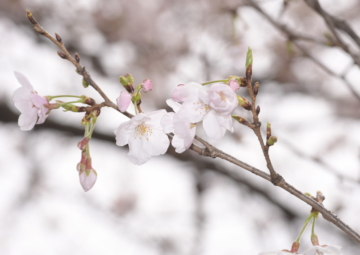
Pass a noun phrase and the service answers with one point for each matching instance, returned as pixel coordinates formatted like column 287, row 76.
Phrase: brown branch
column 292, row 37
column 209, row 151
column 333, row 23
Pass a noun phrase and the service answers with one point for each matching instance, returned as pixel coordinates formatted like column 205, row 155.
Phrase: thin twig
column 292, row 37
column 214, row 152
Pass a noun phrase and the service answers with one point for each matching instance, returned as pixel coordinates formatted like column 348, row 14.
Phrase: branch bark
column 209, row 150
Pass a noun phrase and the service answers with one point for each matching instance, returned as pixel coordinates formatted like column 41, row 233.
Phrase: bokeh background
column 178, row 203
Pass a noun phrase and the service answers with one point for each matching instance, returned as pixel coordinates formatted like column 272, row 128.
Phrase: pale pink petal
column 122, row 134
column 23, row 81
column 186, row 92
column 28, row 118
column 174, row 105
column 234, row 85
column 87, row 181
column 178, row 144
column 147, row 85
column 123, row 101
column 212, row 127
column 167, row 122
column 222, row 99
column 22, row 100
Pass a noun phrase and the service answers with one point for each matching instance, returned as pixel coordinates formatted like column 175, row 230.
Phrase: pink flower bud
column 82, row 144
column 234, row 85
column 87, row 179
column 147, row 85
column 123, row 101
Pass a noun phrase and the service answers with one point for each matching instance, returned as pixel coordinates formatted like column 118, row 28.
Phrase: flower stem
column 209, row 82
column 52, row 97
column 304, row 227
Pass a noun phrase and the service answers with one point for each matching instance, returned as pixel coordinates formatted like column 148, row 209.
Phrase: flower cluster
column 192, row 103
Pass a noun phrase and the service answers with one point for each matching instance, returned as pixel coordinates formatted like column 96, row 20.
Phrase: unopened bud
column 58, row 38
column 123, row 101
column 147, row 85
column 62, row 55
column 30, row 17
column 87, row 178
column 82, row 144
column 257, row 110
column 248, row 63
column 130, row 78
column 241, row 120
column 243, row 102
column 268, row 130
column 242, row 82
column 295, row 247
column 234, row 84
column 314, row 239
column 256, row 88
column 271, row 141
column 85, row 83
column 89, row 101
column 136, row 99
column 127, row 85
column 77, row 57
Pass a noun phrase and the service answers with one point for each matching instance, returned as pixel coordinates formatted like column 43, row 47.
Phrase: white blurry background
column 176, row 204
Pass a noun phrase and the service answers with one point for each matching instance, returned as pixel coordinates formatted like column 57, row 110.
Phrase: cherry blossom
column 87, row 175
column 147, row 85
column 214, row 108
column 184, row 132
column 31, row 105
column 123, row 101
column 87, row 179
column 234, row 85
column 145, row 136
column 323, row 250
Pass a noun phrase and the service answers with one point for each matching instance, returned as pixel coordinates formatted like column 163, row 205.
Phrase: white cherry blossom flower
column 29, row 103
column 184, row 132
column 323, row 250
column 214, row 108
column 145, row 136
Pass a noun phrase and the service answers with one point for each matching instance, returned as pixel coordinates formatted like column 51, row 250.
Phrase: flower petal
column 28, row 118
column 212, row 127
column 23, row 81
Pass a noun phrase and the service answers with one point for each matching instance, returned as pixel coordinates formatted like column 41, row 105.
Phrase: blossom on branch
column 145, row 136
column 147, row 85
column 184, row 132
column 31, row 105
column 213, row 107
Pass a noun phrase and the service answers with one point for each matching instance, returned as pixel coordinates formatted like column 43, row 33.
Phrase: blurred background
column 180, row 203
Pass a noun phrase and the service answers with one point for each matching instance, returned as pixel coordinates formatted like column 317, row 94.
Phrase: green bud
column 249, row 58
column 268, row 130
column 271, row 141
column 136, row 98
column 85, row 84
column 241, row 120
column 243, row 102
column 123, row 81
column 130, row 78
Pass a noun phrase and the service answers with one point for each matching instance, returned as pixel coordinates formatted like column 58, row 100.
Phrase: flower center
column 222, row 96
column 203, row 108
column 143, row 131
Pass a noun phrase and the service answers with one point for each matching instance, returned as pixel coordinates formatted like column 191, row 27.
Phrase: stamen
column 143, row 131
